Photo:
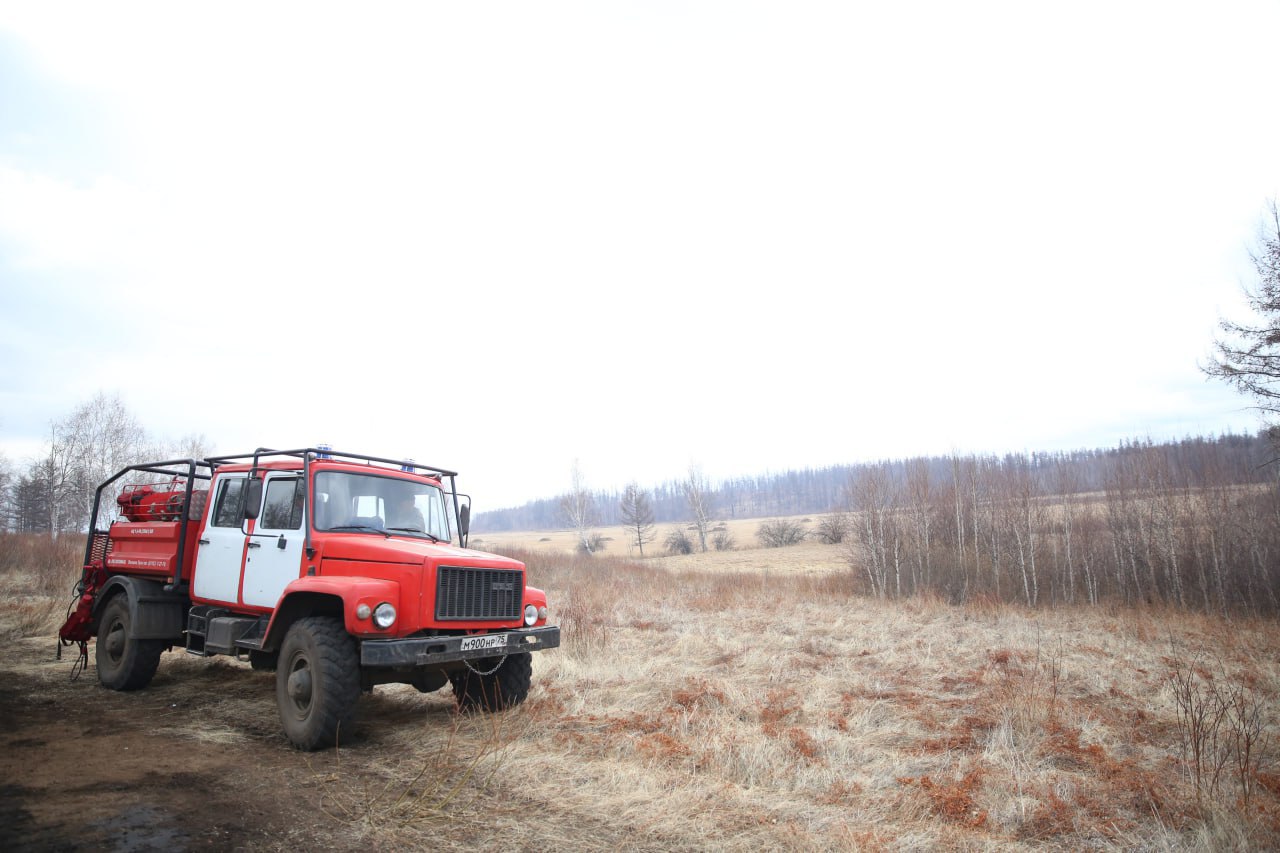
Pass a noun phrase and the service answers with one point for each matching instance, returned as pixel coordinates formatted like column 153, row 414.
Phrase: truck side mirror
column 252, row 497
column 464, row 519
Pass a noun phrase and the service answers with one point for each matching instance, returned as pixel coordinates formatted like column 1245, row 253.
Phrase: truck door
column 217, row 574
column 275, row 549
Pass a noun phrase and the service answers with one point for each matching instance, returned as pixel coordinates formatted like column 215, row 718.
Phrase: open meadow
column 742, row 700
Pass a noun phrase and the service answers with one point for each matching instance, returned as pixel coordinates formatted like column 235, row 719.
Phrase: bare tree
column 579, row 509
column 54, row 480
column 1066, row 483
column 1248, row 356
column 7, row 488
column 920, row 503
column 697, row 493
column 1022, row 515
column 101, row 437
column 190, row 446
column 94, row 441
column 637, row 515
column 878, row 540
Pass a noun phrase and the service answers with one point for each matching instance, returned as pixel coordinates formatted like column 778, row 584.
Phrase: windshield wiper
column 367, row 527
column 430, row 536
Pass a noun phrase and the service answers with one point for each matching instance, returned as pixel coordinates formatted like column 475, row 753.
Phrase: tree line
column 53, row 492
column 821, row 490
column 1192, row 523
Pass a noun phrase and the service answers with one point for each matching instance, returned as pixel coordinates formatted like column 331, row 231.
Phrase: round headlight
column 384, row 616
column 530, row 614
column 542, row 613
column 363, row 611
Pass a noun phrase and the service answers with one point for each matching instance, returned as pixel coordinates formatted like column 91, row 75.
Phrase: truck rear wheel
column 487, row 689
column 124, row 663
column 317, row 682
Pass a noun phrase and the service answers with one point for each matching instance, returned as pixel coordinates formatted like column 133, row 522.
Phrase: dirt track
column 86, row 768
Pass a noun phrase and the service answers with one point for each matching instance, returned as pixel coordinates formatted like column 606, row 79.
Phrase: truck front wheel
column 124, row 663
column 493, row 689
column 317, row 682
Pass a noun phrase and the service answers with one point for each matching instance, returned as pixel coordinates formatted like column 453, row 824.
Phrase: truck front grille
column 464, row 593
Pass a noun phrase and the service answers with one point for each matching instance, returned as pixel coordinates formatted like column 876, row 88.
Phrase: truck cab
column 338, row 570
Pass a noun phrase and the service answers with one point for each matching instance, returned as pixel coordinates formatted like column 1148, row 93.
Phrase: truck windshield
column 389, row 505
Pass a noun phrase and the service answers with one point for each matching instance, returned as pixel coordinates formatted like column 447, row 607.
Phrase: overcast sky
column 500, row 237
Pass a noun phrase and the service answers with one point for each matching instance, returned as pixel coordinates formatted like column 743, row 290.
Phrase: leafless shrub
column 592, row 543
column 833, row 529
column 780, row 532
column 584, row 621
column 678, row 542
column 1222, row 727
column 722, row 540
column 1246, row 736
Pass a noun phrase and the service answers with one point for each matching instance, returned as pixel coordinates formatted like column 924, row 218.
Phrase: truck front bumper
column 427, row 651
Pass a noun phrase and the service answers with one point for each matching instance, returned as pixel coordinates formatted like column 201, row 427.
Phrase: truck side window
column 282, row 510
column 229, row 510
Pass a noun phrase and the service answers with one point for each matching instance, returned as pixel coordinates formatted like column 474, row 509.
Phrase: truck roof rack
column 307, row 453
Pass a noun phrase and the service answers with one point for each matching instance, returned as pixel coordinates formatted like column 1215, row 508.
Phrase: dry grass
column 698, row 707
column 37, row 565
column 38, row 575
column 810, row 557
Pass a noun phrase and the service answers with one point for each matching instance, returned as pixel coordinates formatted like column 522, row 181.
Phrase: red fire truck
column 338, row 570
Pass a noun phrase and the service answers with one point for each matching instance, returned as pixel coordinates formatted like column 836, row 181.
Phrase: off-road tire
column 123, row 663
column 317, row 682
column 505, row 687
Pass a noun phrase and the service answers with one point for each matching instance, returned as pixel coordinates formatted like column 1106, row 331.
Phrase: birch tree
column 637, row 516
column 579, row 509
column 698, row 495
column 876, row 532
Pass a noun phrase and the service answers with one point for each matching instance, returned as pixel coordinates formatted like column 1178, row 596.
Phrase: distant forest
column 1192, row 524
column 1234, row 459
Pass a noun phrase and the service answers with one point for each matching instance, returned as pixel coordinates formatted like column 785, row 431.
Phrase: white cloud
column 56, row 223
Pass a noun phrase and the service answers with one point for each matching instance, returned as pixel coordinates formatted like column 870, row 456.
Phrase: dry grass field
column 737, row 701
column 745, row 555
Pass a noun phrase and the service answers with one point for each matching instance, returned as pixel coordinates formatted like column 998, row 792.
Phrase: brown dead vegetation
column 695, row 709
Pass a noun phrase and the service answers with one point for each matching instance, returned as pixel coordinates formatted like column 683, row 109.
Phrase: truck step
column 228, row 633
column 198, row 619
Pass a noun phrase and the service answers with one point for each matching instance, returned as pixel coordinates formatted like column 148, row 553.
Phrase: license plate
column 489, row 641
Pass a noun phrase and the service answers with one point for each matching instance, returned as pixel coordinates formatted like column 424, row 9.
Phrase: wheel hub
column 115, row 642
column 300, row 686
